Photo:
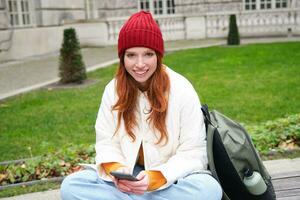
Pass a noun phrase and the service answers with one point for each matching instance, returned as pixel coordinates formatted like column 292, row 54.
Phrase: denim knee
column 204, row 185
column 75, row 184
column 213, row 188
column 66, row 188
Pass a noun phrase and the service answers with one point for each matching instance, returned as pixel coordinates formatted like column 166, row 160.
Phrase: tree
column 233, row 34
column 71, row 65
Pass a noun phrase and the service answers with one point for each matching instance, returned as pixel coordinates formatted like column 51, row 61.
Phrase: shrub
column 233, row 34
column 55, row 164
column 71, row 65
column 279, row 134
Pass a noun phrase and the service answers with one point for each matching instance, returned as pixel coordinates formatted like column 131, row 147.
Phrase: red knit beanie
column 140, row 30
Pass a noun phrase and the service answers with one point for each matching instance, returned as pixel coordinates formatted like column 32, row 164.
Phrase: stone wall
column 57, row 12
column 296, row 3
column 116, row 8
column 45, row 40
column 200, row 7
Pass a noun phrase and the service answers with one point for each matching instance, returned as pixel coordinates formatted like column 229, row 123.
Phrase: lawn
column 14, row 191
column 250, row 83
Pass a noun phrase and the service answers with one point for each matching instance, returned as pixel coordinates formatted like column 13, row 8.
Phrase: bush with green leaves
column 56, row 164
column 233, row 34
column 71, row 65
column 272, row 134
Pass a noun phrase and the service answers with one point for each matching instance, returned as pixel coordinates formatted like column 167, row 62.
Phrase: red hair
column 157, row 93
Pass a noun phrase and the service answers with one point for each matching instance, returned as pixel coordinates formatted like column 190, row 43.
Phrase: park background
column 255, row 83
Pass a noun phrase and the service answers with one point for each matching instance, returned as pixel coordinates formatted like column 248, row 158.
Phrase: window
column 170, row 7
column 281, row 4
column 250, row 4
column 13, row 13
column 144, row 4
column 264, row 4
column 158, row 7
column 19, row 13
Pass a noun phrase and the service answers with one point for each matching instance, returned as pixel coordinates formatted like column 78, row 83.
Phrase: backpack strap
column 204, row 109
column 206, row 114
column 210, row 136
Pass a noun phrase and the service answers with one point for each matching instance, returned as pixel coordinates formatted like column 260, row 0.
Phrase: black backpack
column 230, row 153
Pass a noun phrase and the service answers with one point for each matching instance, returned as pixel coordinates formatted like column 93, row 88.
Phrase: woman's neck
column 143, row 86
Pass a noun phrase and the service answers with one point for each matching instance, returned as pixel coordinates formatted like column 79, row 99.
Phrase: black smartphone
column 123, row 176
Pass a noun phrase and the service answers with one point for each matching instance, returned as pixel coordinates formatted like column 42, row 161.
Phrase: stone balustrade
column 259, row 23
column 172, row 27
column 284, row 22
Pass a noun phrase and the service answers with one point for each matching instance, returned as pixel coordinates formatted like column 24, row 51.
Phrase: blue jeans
column 86, row 185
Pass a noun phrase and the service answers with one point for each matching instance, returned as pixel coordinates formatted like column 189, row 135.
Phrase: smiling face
column 140, row 63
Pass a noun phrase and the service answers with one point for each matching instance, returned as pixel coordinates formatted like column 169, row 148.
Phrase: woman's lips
column 141, row 73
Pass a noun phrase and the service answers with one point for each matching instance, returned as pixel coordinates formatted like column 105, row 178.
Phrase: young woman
column 149, row 124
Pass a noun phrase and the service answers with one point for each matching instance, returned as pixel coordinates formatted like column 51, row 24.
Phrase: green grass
column 45, row 120
column 250, row 83
column 13, row 191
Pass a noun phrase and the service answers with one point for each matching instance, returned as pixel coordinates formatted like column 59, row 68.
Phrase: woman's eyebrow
column 146, row 51
column 149, row 51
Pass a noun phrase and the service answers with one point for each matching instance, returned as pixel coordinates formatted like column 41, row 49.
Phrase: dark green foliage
column 233, row 34
column 62, row 162
column 276, row 134
column 71, row 65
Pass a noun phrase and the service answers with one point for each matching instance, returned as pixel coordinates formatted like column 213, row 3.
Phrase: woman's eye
column 130, row 55
column 149, row 54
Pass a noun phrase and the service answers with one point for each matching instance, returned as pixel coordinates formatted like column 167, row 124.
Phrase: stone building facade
column 34, row 27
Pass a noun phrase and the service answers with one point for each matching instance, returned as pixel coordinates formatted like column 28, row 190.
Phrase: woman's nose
column 140, row 62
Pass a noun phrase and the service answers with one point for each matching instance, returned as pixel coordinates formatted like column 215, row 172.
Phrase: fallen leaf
column 62, row 163
column 2, row 177
column 288, row 145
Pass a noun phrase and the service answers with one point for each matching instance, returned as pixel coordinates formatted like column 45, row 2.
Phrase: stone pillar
column 195, row 27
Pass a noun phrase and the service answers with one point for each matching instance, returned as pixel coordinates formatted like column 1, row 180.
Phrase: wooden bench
column 287, row 185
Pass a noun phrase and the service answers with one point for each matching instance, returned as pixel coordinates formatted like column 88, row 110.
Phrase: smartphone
column 123, row 176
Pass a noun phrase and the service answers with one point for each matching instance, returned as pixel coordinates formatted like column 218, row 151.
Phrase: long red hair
column 157, row 93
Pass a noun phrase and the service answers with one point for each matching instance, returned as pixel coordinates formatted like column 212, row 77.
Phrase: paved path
column 21, row 76
column 279, row 169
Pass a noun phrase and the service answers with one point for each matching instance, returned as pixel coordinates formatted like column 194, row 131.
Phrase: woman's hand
column 134, row 187
column 125, row 170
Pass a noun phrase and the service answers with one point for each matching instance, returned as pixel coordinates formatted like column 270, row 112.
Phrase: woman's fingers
column 120, row 186
column 142, row 175
column 124, row 188
column 136, row 187
column 138, row 192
